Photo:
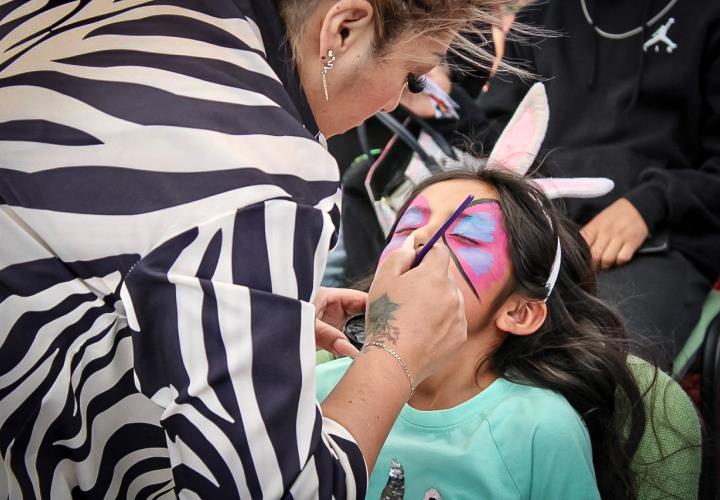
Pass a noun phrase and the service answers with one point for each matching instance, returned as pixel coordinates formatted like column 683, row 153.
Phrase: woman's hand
column 333, row 307
column 615, row 234
column 418, row 312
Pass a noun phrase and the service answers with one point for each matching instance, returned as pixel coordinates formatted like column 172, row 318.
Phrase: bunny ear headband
column 517, row 148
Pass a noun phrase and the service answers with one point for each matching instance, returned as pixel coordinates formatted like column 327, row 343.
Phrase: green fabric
column 711, row 308
column 667, row 463
column 323, row 356
column 508, row 442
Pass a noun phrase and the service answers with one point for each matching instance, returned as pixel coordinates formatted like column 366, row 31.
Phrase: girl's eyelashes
column 464, row 239
column 416, row 84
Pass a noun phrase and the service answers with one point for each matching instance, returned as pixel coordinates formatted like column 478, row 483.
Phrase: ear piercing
column 325, row 70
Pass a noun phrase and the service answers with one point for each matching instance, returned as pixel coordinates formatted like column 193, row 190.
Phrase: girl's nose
column 421, row 236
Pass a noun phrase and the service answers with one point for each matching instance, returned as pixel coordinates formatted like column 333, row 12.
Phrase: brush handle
column 441, row 231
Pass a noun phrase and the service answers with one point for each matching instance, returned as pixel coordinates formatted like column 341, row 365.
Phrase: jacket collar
column 279, row 56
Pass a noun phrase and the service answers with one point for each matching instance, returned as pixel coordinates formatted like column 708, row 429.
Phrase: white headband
column 554, row 271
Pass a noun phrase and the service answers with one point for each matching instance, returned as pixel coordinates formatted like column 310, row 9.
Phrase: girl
column 529, row 407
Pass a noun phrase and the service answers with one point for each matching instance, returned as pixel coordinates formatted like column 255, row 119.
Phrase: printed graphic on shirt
column 432, row 494
column 395, row 487
column 661, row 37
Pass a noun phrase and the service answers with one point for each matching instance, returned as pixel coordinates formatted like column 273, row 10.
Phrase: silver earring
column 325, row 70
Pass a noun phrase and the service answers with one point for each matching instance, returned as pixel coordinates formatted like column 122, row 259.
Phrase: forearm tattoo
column 380, row 314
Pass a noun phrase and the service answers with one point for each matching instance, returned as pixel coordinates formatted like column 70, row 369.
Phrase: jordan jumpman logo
column 661, row 36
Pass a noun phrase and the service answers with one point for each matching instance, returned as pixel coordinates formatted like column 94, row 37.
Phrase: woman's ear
column 519, row 316
column 347, row 22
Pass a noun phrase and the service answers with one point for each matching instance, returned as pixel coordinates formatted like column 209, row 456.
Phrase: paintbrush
column 441, row 230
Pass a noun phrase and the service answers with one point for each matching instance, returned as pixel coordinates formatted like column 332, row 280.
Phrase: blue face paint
column 477, row 227
column 413, row 218
column 479, row 261
column 478, row 243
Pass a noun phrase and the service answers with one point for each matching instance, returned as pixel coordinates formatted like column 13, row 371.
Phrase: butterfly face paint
column 416, row 216
column 477, row 240
column 478, row 245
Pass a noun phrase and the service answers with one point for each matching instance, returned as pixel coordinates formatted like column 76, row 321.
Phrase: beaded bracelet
column 399, row 359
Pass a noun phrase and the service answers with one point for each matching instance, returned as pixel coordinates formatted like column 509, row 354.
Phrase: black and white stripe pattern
column 164, row 221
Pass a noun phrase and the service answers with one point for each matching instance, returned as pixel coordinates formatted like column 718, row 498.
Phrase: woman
column 167, row 208
column 529, row 407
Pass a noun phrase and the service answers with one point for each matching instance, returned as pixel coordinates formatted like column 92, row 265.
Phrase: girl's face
column 477, row 240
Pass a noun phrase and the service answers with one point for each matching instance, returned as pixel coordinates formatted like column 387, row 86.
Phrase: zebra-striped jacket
column 166, row 212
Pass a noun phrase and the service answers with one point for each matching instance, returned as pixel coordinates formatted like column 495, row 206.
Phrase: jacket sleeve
column 688, row 199
column 223, row 335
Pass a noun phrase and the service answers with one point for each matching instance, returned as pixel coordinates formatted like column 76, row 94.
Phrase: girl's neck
column 461, row 380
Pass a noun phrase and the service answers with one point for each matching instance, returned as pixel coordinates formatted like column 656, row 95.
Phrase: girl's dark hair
column 581, row 349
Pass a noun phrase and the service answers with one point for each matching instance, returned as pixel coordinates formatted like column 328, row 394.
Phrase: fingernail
column 344, row 348
column 409, row 243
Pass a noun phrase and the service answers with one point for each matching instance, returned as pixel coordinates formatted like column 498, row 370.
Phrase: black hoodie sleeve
column 687, row 200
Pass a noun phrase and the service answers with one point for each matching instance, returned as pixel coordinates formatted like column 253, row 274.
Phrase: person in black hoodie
column 634, row 92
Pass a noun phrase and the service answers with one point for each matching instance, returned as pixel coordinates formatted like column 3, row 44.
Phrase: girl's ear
column 519, row 316
column 520, row 142
column 345, row 23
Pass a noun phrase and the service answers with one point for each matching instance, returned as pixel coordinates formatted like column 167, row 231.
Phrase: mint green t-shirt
column 511, row 441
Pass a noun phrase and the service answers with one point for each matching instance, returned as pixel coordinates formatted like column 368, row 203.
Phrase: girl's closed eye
column 412, row 221
column 465, row 239
column 414, row 218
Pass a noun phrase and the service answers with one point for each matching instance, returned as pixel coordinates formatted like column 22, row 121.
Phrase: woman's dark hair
column 581, row 349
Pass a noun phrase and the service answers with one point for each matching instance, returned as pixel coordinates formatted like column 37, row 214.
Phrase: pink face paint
column 479, row 245
column 416, row 216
